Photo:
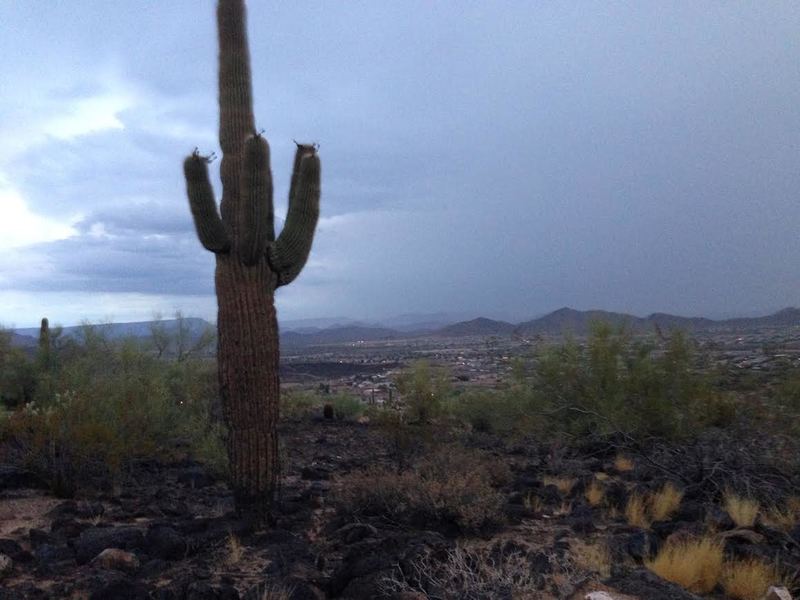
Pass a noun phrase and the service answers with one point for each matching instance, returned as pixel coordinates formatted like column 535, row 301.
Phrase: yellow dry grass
column 665, row 502
column 636, row 511
column 593, row 558
column 695, row 565
column 235, row 551
column 748, row 579
column 563, row 484
column 741, row 509
column 780, row 518
column 533, row 503
column 594, row 493
column 623, row 464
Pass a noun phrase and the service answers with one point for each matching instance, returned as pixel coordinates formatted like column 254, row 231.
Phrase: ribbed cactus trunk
column 251, row 264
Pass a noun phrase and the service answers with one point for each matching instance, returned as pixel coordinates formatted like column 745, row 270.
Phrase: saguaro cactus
column 251, row 264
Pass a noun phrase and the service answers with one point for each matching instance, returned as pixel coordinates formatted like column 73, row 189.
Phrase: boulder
column 93, row 541
column 117, row 560
column 162, row 541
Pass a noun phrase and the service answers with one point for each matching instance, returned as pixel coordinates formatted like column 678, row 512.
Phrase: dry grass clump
column 563, row 484
column 695, row 565
column 235, row 551
column 741, row 509
column 665, row 502
column 748, row 579
column 467, row 573
column 641, row 510
column 594, row 493
column 592, row 558
column 636, row 511
column 623, row 464
column 783, row 519
column 451, row 486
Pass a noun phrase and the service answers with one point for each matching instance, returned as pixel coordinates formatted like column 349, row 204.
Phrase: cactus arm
column 288, row 254
column 256, row 227
column 209, row 226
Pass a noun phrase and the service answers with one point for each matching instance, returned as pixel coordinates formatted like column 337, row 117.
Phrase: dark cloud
column 502, row 160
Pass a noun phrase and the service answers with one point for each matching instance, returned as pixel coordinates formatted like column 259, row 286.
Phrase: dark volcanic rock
column 644, row 584
column 355, row 532
column 195, row 477
column 67, row 527
column 14, row 478
column 164, row 542
column 639, row 545
column 14, row 551
column 92, row 542
column 118, row 587
column 582, row 519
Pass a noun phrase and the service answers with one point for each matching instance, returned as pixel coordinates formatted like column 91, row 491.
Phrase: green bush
column 618, row 384
column 494, row 411
column 109, row 404
column 346, row 407
column 423, row 388
column 296, row 404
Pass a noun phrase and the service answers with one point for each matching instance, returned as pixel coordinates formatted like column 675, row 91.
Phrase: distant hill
column 24, row 341
column 122, row 330
column 568, row 320
column 564, row 320
column 479, row 326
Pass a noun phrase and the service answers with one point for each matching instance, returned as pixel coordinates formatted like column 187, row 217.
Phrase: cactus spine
column 250, row 264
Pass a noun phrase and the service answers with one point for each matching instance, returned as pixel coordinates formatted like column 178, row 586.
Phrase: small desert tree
column 250, row 264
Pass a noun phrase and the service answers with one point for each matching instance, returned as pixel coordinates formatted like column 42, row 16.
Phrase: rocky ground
column 169, row 532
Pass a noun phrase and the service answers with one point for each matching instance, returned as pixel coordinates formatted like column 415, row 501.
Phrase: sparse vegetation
column 423, row 387
column 694, row 564
column 748, row 579
column 742, row 510
column 108, row 404
column 636, row 511
column 665, row 502
column 623, row 464
column 564, row 485
column 450, row 487
column 594, row 493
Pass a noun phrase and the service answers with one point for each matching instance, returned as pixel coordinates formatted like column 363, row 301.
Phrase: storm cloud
column 491, row 159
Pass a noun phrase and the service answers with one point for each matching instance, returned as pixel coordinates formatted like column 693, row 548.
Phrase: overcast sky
column 490, row 158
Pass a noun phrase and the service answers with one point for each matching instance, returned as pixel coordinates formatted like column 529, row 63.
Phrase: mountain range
column 313, row 332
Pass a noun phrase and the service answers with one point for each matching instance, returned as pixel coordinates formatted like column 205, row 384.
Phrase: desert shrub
column 112, row 404
column 452, row 487
column 693, row 564
column 466, row 574
column 490, row 411
column 664, row 502
column 346, row 407
column 298, row 403
column 17, row 374
column 423, row 388
column 748, row 579
column 742, row 510
column 618, row 384
column 636, row 512
column 564, row 485
column 594, row 493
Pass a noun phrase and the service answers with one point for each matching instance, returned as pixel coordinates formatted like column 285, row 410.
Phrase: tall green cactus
column 251, row 264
